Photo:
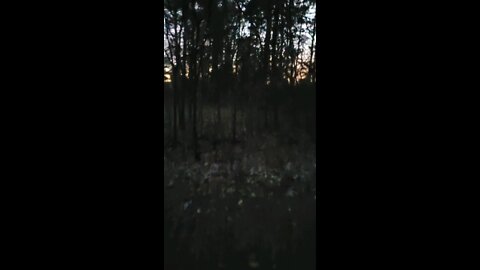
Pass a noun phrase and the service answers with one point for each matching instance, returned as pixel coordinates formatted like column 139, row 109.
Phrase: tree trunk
column 181, row 113
column 175, row 97
column 194, row 129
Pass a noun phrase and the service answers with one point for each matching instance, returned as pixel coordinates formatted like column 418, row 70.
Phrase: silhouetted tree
column 220, row 50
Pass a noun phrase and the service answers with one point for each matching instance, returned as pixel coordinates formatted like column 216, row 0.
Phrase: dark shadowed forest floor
column 249, row 205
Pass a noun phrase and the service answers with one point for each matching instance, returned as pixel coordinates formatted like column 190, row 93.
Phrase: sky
column 306, row 53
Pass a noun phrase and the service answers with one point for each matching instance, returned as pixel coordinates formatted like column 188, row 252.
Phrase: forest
column 239, row 134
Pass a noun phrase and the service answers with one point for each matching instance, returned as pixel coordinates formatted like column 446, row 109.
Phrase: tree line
column 251, row 56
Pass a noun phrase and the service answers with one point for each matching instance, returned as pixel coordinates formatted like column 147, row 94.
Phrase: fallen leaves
column 253, row 197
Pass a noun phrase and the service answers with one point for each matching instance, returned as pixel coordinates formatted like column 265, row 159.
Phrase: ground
column 249, row 205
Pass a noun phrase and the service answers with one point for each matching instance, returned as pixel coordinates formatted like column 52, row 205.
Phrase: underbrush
column 245, row 205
